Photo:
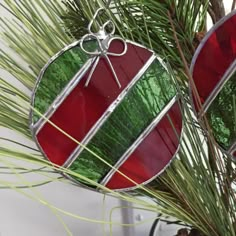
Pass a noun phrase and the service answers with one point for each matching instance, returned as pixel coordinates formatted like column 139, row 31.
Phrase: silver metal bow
column 104, row 37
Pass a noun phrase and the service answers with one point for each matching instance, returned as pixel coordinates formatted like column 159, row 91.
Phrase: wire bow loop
column 104, row 38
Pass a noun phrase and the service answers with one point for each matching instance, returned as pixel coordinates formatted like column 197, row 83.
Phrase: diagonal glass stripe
column 139, row 108
column 57, row 75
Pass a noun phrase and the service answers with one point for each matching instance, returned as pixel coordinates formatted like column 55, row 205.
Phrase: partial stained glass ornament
column 214, row 73
column 117, row 99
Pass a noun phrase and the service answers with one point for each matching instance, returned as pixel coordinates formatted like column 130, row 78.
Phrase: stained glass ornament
column 115, row 97
column 214, row 73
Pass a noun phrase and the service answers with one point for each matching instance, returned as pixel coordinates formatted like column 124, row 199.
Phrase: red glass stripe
column 84, row 106
column 215, row 57
column 153, row 155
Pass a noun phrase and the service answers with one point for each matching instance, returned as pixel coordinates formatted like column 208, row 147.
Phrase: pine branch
column 217, row 7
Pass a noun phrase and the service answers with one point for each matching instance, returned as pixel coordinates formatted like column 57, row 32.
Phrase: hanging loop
column 108, row 3
column 108, row 28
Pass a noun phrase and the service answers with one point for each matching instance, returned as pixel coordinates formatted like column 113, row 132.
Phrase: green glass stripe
column 130, row 118
column 222, row 114
column 57, row 75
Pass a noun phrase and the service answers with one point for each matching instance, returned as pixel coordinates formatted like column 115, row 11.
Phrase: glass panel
column 57, row 75
column 138, row 109
column 222, row 114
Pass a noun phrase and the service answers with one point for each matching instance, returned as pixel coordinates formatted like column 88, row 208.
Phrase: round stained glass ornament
column 118, row 99
column 214, row 73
